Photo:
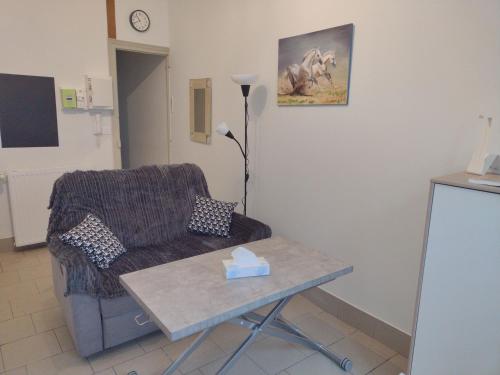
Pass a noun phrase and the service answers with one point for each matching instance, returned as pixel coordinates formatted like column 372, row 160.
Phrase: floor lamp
column 244, row 80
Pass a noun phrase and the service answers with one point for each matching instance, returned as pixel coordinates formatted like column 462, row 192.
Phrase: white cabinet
column 457, row 319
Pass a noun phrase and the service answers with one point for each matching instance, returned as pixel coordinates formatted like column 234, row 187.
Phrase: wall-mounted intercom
column 96, row 96
column 99, row 92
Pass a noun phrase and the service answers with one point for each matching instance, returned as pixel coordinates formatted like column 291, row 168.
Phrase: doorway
column 141, row 115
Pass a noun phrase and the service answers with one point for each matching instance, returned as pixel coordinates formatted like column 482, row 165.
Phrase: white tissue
column 245, row 264
column 244, row 257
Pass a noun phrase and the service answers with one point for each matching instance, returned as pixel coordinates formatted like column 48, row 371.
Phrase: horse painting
column 314, row 68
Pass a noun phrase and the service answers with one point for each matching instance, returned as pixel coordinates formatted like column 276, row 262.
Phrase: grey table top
column 192, row 294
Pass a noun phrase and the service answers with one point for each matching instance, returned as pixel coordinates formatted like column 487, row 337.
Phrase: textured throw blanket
column 147, row 209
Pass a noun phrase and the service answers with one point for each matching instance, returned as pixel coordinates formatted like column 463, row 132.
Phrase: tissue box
column 234, row 271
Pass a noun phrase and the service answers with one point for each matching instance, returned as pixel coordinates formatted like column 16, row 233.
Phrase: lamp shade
column 222, row 128
column 244, row 79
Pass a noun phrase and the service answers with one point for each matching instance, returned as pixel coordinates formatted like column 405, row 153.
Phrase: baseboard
column 7, row 244
column 388, row 335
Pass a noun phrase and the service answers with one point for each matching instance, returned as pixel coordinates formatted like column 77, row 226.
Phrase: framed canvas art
column 315, row 68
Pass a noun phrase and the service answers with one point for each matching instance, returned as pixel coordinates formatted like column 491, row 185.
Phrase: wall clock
column 139, row 20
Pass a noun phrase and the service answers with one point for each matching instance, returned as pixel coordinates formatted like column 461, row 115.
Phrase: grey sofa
column 148, row 210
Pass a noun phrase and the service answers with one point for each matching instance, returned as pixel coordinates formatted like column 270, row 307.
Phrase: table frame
column 272, row 324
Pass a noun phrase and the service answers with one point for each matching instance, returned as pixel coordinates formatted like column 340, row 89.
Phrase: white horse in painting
column 320, row 69
column 302, row 75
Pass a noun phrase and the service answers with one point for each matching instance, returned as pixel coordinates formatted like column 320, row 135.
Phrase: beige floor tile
column 364, row 360
column 109, row 371
column 9, row 278
column 298, row 306
column 207, row 352
column 317, row 328
column 343, row 327
column 16, row 371
column 400, row 361
column 244, row 366
column 69, row 363
column 228, row 336
column 32, row 304
column 38, row 250
column 387, row 368
column 195, row 372
column 5, row 311
column 48, row 319
column 374, row 345
column 19, row 263
column 30, row 350
column 42, row 253
column 153, row 341
column 315, row 364
column 44, row 284
column 20, row 290
column 64, row 338
column 274, row 355
column 152, row 363
column 1, row 362
column 10, row 257
column 15, row 329
column 115, row 356
column 35, row 272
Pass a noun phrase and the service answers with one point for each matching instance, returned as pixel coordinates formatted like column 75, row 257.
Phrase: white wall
column 143, row 108
column 158, row 33
column 67, row 44
column 349, row 180
column 64, row 44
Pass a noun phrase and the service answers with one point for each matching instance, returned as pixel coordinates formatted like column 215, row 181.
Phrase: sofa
column 148, row 210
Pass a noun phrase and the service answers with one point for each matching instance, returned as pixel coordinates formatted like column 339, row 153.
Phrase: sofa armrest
column 247, row 229
column 80, row 274
column 82, row 314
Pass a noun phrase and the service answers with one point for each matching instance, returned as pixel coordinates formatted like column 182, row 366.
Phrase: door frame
column 121, row 45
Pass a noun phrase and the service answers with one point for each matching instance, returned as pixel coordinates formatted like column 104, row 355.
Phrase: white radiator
column 29, row 194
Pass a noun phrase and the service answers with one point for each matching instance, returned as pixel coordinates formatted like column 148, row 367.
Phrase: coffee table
column 192, row 295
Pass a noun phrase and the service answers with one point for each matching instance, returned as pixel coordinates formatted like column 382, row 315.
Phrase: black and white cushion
column 211, row 217
column 96, row 240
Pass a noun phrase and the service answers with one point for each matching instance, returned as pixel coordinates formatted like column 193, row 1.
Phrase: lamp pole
column 245, row 89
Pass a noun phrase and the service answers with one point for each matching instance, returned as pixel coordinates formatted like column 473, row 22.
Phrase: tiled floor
column 34, row 338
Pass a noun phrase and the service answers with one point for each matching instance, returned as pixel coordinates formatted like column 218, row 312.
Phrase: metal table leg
column 272, row 324
column 186, row 353
column 253, row 335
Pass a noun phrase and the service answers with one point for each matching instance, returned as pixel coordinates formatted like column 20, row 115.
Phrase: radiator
column 29, row 194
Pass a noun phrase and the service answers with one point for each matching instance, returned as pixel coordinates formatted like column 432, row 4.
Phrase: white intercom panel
column 99, row 92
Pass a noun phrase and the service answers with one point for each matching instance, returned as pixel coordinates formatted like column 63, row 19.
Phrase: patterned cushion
column 95, row 240
column 211, row 217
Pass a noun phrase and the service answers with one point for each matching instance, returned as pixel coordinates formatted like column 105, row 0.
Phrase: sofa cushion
column 95, row 240
column 145, row 206
column 211, row 216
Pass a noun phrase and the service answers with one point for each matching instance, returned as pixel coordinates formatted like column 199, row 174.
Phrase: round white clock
column 139, row 20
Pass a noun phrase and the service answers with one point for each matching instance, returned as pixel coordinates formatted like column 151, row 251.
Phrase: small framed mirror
column 200, row 108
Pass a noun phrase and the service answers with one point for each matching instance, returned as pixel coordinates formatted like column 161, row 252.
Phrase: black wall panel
column 28, row 115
